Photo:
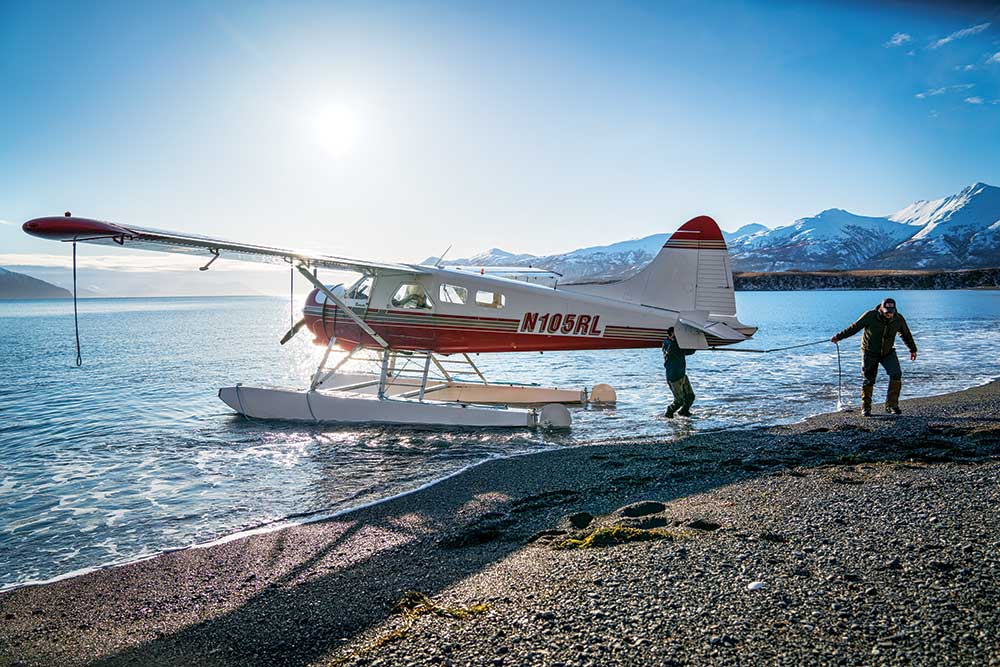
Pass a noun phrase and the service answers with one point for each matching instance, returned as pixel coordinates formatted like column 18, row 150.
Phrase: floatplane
column 419, row 324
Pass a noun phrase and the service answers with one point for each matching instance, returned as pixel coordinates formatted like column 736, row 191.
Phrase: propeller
column 294, row 330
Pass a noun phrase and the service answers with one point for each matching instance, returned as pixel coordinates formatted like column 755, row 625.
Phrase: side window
column 453, row 294
column 361, row 289
column 490, row 299
column 411, row 296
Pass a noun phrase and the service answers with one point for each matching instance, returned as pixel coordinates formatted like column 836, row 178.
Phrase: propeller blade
column 294, row 330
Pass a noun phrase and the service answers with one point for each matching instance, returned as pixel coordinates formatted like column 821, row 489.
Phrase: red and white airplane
column 421, row 322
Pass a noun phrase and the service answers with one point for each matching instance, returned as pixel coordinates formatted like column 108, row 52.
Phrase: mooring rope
column 840, row 373
column 76, row 319
column 773, row 349
column 291, row 296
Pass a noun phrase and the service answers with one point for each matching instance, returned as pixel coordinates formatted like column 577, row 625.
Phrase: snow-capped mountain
column 609, row 261
column 491, row 257
column 833, row 239
column 958, row 231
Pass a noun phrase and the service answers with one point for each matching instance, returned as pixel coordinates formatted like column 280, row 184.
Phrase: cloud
column 964, row 68
column 974, row 100
column 946, row 89
column 959, row 34
column 995, row 58
column 5, row 222
column 898, row 39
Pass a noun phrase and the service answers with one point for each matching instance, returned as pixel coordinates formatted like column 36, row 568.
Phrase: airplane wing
column 506, row 271
column 521, row 273
column 97, row 232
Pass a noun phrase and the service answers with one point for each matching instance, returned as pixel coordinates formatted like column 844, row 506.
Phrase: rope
column 840, row 397
column 774, row 349
column 76, row 318
column 291, row 296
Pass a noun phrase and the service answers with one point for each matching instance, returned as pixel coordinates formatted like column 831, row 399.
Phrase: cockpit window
column 453, row 294
column 361, row 289
column 411, row 296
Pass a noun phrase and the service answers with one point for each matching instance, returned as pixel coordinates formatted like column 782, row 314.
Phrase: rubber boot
column 866, row 399
column 685, row 410
column 892, row 397
column 669, row 414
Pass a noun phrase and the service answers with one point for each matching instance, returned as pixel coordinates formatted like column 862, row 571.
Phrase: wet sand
column 862, row 541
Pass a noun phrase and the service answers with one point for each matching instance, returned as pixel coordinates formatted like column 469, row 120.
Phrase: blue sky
column 392, row 130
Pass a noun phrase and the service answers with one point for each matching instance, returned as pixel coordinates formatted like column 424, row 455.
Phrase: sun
column 338, row 127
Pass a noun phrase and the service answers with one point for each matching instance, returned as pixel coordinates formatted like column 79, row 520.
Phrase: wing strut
column 343, row 306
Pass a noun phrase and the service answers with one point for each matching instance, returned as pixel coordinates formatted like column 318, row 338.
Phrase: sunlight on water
column 133, row 453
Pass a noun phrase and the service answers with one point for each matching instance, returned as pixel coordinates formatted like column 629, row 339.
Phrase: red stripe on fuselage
column 448, row 340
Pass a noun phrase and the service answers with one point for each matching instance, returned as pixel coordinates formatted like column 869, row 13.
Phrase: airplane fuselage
column 449, row 311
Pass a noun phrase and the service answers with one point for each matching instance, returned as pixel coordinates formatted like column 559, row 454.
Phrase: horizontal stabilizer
column 715, row 332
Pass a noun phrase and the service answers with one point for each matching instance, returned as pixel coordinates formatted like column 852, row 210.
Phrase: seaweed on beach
column 414, row 604
column 609, row 536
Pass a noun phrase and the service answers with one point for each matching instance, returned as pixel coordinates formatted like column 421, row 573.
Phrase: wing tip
column 70, row 228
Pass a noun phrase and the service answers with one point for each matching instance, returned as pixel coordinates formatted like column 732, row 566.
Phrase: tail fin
column 692, row 272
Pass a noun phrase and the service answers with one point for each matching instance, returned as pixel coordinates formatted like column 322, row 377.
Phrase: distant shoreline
column 745, row 281
column 867, row 279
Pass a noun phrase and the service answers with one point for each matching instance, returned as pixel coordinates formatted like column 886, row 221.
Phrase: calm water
column 133, row 453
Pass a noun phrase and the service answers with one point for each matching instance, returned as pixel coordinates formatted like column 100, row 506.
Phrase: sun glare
column 338, row 128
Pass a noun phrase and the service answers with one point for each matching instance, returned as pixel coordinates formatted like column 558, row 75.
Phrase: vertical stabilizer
column 692, row 272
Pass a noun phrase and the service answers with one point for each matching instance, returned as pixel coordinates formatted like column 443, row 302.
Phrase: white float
column 326, row 406
column 404, row 391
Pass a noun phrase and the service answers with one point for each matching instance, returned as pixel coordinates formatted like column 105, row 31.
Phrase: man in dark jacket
column 881, row 324
column 675, row 363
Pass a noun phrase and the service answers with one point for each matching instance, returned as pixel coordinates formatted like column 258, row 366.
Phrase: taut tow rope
column 76, row 319
column 773, row 349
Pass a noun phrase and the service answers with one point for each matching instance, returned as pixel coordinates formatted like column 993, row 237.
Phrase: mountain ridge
column 953, row 232
column 15, row 285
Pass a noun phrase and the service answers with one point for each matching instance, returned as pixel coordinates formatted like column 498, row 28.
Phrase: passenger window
column 411, row 296
column 453, row 294
column 490, row 299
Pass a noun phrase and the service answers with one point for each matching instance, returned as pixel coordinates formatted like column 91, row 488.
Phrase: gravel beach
column 839, row 540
